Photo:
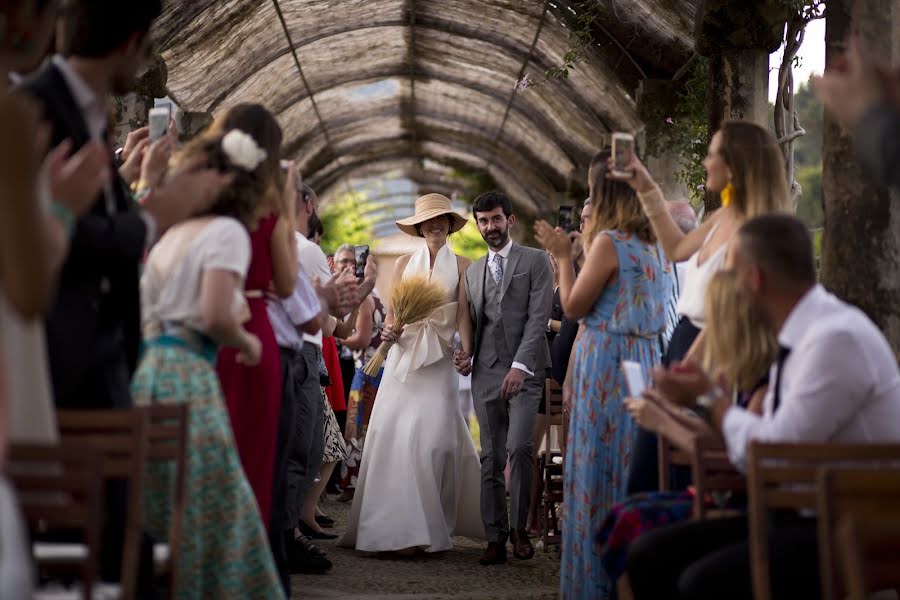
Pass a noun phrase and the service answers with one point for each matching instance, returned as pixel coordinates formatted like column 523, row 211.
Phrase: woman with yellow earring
column 745, row 166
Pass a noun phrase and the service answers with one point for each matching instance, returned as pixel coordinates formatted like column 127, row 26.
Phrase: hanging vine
column 787, row 125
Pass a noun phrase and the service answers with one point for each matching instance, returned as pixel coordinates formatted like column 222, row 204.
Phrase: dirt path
column 454, row 575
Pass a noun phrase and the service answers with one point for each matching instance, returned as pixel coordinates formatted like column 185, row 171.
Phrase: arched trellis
column 455, row 64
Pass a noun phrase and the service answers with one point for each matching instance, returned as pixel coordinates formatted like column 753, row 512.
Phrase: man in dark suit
column 93, row 328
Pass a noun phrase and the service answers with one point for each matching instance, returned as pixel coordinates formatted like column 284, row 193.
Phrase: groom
column 509, row 292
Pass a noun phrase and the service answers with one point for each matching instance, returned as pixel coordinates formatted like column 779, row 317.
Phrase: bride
column 419, row 481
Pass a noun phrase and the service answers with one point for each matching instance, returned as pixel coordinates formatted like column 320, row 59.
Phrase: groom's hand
column 512, row 383
column 463, row 362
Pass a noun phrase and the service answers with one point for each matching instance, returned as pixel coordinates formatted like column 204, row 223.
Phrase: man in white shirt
column 836, row 379
column 303, row 384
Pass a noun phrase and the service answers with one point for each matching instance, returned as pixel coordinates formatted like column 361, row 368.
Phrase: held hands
column 555, row 241
column 136, row 145
column 371, row 271
column 339, row 292
column 156, row 157
column 647, row 410
column 462, row 361
column 512, row 384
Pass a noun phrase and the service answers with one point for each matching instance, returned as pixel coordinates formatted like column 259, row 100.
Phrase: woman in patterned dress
column 620, row 294
column 192, row 304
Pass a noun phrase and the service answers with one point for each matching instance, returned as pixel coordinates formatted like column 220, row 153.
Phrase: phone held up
column 623, row 152
column 362, row 256
column 565, row 218
column 158, row 120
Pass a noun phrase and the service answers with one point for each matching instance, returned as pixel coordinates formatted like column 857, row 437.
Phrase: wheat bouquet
column 413, row 299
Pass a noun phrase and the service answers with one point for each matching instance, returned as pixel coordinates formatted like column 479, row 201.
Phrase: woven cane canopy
column 364, row 87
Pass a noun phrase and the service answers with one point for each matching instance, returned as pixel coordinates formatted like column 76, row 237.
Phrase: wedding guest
column 36, row 201
column 620, row 295
column 364, row 341
column 745, row 166
column 835, row 379
column 93, row 329
column 193, row 303
column 740, row 347
column 253, row 392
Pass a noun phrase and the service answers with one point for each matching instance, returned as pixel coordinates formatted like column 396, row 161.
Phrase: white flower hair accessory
column 242, row 150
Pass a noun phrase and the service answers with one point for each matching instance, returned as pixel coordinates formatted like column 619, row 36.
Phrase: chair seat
column 59, row 553
column 55, row 591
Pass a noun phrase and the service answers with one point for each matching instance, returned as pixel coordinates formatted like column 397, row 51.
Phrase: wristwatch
column 705, row 403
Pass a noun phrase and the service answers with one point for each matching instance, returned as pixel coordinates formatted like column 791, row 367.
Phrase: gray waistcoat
column 493, row 339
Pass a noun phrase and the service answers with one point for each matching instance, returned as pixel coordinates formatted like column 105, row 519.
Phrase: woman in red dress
column 253, row 394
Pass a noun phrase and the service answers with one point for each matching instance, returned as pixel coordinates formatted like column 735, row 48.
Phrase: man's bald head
column 683, row 215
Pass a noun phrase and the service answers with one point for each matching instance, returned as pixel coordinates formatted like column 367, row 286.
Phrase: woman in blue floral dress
column 620, row 296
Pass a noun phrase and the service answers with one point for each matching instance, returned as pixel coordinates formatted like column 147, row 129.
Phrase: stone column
column 861, row 244
column 132, row 108
column 738, row 37
column 189, row 124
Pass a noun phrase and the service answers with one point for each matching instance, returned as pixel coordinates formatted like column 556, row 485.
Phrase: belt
column 254, row 294
column 171, row 333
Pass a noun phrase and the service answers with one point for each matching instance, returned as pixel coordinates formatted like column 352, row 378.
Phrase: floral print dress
column 624, row 324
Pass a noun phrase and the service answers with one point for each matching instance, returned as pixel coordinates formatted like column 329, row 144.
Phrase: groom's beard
column 496, row 239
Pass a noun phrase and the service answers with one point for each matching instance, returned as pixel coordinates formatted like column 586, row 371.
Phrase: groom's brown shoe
column 522, row 548
column 494, row 555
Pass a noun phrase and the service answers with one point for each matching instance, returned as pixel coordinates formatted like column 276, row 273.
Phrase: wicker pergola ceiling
column 367, row 86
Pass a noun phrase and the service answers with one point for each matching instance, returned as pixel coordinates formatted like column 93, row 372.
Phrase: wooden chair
column 60, row 488
column 552, row 470
column 784, row 476
column 872, row 493
column 120, row 436
column 167, row 439
column 869, row 549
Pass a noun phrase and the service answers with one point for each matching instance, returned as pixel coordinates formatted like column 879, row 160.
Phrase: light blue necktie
column 497, row 269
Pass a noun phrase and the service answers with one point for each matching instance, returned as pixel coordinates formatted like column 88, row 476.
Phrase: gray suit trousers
column 506, row 429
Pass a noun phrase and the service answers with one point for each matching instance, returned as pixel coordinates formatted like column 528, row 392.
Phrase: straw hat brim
column 408, row 225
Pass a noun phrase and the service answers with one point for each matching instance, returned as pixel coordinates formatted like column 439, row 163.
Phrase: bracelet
column 140, row 186
column 65, row 216
column 652, row 202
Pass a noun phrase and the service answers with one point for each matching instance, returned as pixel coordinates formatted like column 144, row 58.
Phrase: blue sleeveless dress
column 624, row 324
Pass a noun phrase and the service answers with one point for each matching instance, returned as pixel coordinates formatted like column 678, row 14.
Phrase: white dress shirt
column 840, row 382
column 313, row 263
column 287, row 314
column 504, row 259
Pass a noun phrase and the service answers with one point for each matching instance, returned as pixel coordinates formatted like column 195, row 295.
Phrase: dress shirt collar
column 801, row 317
column 504, row 253
column 93, row 108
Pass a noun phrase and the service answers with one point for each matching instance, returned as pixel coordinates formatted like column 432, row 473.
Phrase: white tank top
column 692, row 302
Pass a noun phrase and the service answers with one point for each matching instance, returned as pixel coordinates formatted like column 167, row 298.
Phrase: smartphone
column 565, row 218
column 158, row 120
column 634, row 378
column 362, row 256
column 623, row 152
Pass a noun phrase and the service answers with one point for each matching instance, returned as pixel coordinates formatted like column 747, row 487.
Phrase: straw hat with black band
column 429, row 207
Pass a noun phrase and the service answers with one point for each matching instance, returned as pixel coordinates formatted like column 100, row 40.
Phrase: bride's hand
column 390, row 334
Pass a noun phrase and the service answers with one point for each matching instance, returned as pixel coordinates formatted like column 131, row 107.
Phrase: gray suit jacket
column 525, row 305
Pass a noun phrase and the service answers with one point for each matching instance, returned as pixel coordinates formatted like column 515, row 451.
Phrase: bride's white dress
column 420, row 478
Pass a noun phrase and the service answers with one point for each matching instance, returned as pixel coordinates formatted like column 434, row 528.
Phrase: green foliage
column 580, row 22
column 468, row 242
column 686, row 131
column 810, row 207
column 347, row 220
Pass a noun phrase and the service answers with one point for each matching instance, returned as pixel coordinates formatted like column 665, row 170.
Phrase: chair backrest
column 784, row 476
column 167, row 439
column 121, row 438
column 870, row 552
column 842, row 493
column 712, row 471
column 557, row 415
column 60, row 487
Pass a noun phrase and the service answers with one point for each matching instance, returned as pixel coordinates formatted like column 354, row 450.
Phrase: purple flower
column 670, row 120
column 524, row 83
